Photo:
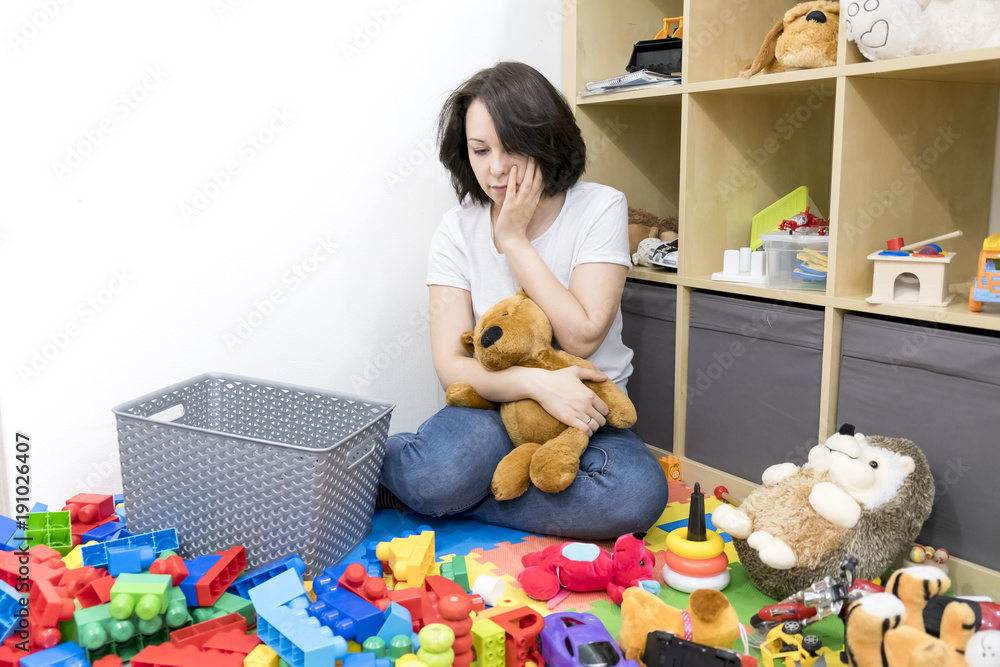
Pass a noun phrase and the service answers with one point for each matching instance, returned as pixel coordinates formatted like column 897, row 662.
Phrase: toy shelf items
column 903, row 147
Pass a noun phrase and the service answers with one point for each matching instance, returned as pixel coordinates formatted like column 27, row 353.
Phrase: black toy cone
column 696, row 516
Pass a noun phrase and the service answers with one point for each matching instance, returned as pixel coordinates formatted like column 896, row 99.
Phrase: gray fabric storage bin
column 940, row 387
column 649, row 316
column 754, row 376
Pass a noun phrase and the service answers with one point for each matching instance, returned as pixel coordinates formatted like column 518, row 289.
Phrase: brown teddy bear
column 644, row 225
column 515, row 332
column 711, row 620
column 805, row 37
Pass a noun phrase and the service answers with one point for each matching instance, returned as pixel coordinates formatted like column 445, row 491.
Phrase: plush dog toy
column 709, row 619
column 515, row 332
column 857, row 496
column 805, row 37
column 583, row 567
column 885, row 29
column 912, row 624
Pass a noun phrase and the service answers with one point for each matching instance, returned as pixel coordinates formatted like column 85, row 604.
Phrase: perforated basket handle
column 170, row 413
column 362, row 450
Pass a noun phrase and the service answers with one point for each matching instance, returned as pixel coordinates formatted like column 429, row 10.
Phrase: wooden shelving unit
column 887, row 149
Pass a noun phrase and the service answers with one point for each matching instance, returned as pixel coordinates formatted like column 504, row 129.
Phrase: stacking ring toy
column 686, row 584
column 705, row 567
column 678, row 543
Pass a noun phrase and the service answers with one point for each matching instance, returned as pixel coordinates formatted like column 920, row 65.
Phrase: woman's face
column 490, row 162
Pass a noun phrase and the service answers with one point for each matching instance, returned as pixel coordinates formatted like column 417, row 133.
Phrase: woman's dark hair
column 531, row 118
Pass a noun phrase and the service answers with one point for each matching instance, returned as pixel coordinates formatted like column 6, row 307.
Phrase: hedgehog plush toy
column 866, row 497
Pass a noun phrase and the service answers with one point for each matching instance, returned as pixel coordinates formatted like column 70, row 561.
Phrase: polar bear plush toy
column 858, row 496
column 885, row 29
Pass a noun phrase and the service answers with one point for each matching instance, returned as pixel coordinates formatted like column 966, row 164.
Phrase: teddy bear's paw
column 732, row 520
column 552, row 470
column 772, row 551
column 510, row 479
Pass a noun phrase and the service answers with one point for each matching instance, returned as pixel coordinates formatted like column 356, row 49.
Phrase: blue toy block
column 298, row 638
column 132, row 561
column 10, row 607
column 7, row 529
column 365, row 660
column 396, row 620
column 103, row 533
column 118, row 499
column 197, row 569
column 283, row 589
column 39, row 507
column 346, row 614
column 158, row 540
column 67, row 654
column 330, row 579
column 247, row 581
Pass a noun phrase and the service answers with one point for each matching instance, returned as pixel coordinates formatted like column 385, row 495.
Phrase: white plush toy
column 885, row 29
column 983, row 649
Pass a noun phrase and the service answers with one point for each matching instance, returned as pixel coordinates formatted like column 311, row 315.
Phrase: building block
column 521, row 625
column 10, row 569
column 671, row 467
column 49, row 528
column 439, row 587
column 49, row 604
column 457, row 571
column 210, row 576
column 233, row 641
column 226, row 604
column 74, row 559
column 399, row 646
column 244, row 583
column 108, row 661
column 396, row 620
column 143, row 594
column 129, row 560
column 365, row 660
column 66, row 654
column 409, row 558
column 436, row 642
column 10, row 609
column 75, row 580
column 173, row 565
column 89, row 507
column 79, row 530
column 42, row 554
column 159, row 540
column 488, row 643
column 104, row 532
column 346, row 614
column 96, row 592
column 8, row 527
column 262, row 656
column 283, row 589
column 299, row 638
column 168, row 655
column 94, row 627
column 372, row 589
column 196, row 635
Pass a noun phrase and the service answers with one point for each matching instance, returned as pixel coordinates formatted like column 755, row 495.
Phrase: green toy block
column 51, row 529
column 226, row 604
column 145, row 594
column 177, row 614
column 457, row 570
column 94, row 627
column 489, row 644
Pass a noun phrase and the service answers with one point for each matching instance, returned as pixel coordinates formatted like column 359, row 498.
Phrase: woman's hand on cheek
column 520, row 201
column 564, row 396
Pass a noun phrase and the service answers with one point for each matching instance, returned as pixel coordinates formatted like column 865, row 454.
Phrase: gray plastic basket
column 229, row 460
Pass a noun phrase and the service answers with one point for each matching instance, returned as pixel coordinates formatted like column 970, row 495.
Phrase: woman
column 515, row 155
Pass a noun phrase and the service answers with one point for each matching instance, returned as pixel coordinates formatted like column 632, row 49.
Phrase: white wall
column 141, row 262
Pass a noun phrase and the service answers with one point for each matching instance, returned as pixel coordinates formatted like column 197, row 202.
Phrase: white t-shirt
column 591, row 227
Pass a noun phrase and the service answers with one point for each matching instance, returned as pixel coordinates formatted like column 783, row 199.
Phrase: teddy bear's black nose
column 817, row 16
column 491, row 336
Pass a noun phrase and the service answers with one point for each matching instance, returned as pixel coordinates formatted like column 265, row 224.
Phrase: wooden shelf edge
column 967, row 578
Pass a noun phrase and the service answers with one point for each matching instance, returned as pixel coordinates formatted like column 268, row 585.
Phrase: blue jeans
column 446, row 467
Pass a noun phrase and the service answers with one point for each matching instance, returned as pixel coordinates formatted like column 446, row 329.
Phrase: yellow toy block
column 262, row 656
column 410, row 660
column 488, row 644
column 74, row 558
column 411, row 558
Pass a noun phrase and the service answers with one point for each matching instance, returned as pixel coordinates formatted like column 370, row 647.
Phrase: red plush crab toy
column 581, row 567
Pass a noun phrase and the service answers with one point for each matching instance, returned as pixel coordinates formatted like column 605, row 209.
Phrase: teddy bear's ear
column 766, row 54
column 467, row 343
column 521, row 292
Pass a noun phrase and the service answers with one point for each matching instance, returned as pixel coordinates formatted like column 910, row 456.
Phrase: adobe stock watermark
column 913, row 168
column 388, row 352
column 31, row 25
column 86, row 312
column 265, row 306
column 785, row 128
column 423, row 150
column 371, row 29
column 219, row 179
column 223, row 8
column 121, row 108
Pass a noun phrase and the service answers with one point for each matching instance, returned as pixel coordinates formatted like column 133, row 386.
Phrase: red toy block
column 196, row 635
column 78, row 528
column 109, row 660
column 49, row 604
column 168, row 655
column 372, row 589
column 96, row 592
column 441, row 587
column 233, row 641
column 76, row 579
column 172, row 565
column 10, row 565
column 522, row 626
column 90, row 507
column 418, row 603
column 42, row 554
column 227, row 570
column 10, row 656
